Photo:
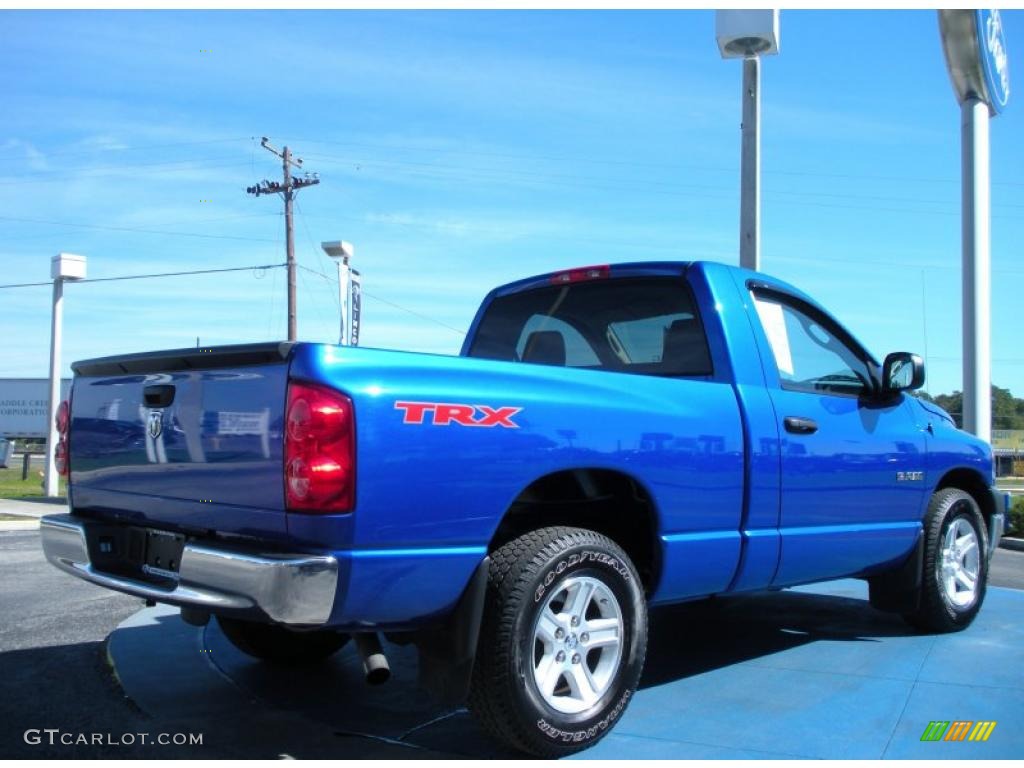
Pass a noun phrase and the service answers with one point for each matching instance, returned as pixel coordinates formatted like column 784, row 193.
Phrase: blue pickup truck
column 609, row 438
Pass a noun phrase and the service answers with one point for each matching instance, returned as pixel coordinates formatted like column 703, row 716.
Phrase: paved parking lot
column 56, row 673
column 812, row 672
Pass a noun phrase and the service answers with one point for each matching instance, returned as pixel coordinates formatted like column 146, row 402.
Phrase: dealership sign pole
column 63, row 266
column 976, row 57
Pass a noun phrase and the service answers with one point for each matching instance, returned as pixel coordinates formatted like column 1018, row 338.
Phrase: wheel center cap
column 571, row 641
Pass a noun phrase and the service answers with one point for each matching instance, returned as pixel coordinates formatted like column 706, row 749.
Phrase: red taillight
column 63, row 417
column 319, row 450
column 580, row 274
column 60, row 457
column 60, row 452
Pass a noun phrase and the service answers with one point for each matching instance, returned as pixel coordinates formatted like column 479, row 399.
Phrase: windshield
column 638, row 325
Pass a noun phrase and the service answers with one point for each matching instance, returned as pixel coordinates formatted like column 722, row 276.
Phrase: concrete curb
column 1011, row 542
column 33, row 509
column 28, row 524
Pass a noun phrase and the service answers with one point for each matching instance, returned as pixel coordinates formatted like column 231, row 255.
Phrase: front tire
column 278, row 645
column 562, row 642
column 955, row 563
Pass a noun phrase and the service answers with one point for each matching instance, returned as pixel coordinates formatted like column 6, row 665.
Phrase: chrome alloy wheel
column 960, row 564
column 577, row 644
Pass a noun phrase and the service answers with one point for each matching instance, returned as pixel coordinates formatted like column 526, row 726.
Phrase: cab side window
column 809, row 351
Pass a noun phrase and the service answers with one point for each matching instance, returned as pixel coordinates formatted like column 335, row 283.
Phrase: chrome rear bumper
column 295, row 590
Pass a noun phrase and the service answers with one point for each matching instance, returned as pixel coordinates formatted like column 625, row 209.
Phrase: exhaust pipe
column 375, row 663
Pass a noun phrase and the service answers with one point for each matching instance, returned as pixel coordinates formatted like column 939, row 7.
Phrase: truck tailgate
column 185, row 439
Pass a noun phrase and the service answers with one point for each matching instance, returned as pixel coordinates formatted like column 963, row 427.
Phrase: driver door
column 850, row 460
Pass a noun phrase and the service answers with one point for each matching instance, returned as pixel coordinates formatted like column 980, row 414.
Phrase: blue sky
column 465, row 149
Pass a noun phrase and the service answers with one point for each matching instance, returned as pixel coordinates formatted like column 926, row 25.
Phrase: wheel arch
column 970, row 481
column 608, row 501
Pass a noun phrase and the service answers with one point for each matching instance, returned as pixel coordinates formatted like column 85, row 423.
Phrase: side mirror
column 902, row 371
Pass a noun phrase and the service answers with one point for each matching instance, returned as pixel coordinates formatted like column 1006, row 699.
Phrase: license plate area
column 142, row 553
column 163, row 553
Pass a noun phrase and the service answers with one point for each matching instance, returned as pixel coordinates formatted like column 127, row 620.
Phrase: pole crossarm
column 266, row 187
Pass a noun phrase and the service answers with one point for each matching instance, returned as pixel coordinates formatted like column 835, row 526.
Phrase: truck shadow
column 685, row 640
column 693, row 638
column 181, row 677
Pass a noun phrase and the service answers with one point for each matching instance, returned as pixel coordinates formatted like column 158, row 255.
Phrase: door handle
column 798, row 425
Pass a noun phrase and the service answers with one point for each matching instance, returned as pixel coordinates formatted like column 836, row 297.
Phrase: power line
column 135, row 229
column 158, row 274
column 1000, row 360
column 317, row 251
column 48, row 177
column 414, row 313
column 460, row 151
column 391, row 303
column 640, row 246
column 434, row 171
column 140, row 147
column 37, row 178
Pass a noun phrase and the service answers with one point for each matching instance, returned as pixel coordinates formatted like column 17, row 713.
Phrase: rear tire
column 955, row 563
column 562, row 642
column 273, row 643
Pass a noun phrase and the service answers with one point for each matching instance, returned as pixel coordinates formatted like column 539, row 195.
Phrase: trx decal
column 446, row 414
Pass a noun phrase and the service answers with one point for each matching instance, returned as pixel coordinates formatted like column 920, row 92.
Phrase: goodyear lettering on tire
column 579, row 559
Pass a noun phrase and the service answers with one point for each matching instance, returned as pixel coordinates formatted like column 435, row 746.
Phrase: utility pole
column 287, row 190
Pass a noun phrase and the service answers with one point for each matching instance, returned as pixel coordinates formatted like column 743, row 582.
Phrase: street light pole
column 749, row 35
column 750, row 166
column 63, row 266
column 56, row 324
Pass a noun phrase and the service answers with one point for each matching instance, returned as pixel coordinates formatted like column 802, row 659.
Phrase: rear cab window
column 644, row 325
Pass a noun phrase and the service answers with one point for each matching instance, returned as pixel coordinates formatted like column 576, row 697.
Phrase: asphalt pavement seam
column 619, row 731
column 906, row 702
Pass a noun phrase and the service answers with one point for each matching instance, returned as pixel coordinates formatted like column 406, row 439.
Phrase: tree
column 1007, row 410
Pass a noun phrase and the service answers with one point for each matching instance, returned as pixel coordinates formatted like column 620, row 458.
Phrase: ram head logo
column 155, row 425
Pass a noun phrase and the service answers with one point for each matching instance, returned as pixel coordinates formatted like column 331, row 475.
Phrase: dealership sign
column 24, row 404
column 975, row 48
column 992, row 44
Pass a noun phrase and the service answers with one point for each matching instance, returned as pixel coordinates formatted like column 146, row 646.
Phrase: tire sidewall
column 615, row 572
column 961, row 508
